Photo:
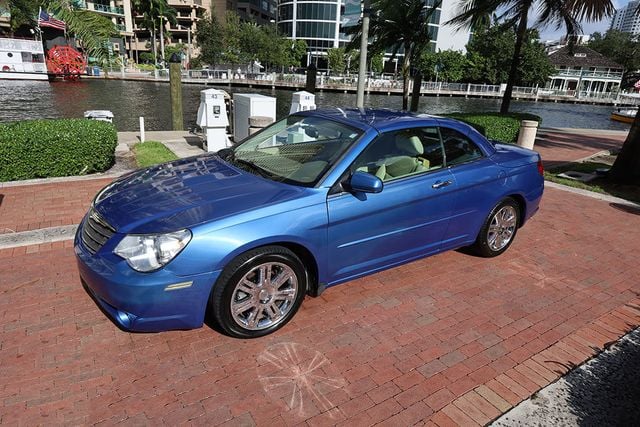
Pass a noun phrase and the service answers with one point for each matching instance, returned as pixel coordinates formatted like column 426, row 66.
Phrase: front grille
column 96, row 231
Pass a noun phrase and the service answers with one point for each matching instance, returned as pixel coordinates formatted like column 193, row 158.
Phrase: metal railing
column 588, row 74
column 108, row 9
column 374, row 84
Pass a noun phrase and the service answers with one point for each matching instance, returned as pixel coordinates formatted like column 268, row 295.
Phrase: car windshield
column 296, row 150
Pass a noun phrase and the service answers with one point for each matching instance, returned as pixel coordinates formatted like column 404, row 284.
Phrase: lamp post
column 362, row 71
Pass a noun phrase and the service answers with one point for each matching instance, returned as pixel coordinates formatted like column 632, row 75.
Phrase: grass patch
column 496, row 126
column 598, row 185
column 151, row 153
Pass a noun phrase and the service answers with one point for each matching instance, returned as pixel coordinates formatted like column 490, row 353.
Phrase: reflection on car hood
column 185, row 193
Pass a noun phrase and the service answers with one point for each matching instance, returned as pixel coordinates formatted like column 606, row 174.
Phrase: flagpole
column 38, row 20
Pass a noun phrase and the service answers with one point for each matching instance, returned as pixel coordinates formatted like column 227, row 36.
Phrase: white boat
column 625, row 115
column 22, row 60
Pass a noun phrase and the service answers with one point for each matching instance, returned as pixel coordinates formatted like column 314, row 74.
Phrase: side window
column 458, row 148
column 398, row 154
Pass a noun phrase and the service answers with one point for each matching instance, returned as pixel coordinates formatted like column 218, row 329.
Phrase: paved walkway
column 451, row 339
column 557, row 146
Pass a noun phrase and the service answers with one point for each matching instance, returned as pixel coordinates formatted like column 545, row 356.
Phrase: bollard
column 527, row 134
column 141, row 129
column 175, row 83
column 312, row 72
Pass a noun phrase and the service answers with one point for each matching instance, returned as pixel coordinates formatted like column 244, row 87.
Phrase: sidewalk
column 559, row 145
column 451, row 339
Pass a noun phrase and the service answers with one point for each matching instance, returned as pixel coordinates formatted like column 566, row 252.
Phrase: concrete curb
column 104, row 175
column 37, row 237
column 592, row 194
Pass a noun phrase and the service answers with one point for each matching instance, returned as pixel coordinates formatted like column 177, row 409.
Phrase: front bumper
column 143, row 302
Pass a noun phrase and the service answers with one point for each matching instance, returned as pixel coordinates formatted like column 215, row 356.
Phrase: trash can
column 96, row 71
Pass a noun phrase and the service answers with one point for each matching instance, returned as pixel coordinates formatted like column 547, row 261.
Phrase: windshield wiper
column 252, row 166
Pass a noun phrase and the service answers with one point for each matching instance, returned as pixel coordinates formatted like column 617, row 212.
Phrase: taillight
column 540, row 167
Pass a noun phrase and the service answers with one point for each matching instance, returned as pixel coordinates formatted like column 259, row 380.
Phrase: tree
column 516, row 13
column 402, row 27
column 296, row 49
column 209, row 39
column 154, row 12
column 377, row 62
column 231, row 33
column 451, row 65
column 336, row 59
column 490, row 51
column 626, row 168
column 23, row 13
column 620, row 47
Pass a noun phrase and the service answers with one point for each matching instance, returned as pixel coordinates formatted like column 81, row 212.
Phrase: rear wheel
column 499, row 229
column 259, row 292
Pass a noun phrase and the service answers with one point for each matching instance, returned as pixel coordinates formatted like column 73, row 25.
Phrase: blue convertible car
column 316, row 199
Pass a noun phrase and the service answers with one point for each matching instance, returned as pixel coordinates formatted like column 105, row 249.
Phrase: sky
column 550, row 33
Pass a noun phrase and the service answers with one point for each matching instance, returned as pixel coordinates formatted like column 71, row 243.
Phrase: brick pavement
column 558, row 146
column 451, row 339
column 31, row 207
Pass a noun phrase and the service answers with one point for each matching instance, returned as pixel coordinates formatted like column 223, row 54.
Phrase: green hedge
column 61, row 147
column 500, row 127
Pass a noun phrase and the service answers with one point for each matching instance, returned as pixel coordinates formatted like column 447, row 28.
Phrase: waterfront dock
column 379, row 86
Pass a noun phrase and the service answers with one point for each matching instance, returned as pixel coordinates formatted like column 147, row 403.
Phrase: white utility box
column 247, row 105
column 302, row 101
column 213, row 119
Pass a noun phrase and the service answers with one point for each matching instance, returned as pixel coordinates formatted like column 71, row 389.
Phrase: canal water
column 128, row 100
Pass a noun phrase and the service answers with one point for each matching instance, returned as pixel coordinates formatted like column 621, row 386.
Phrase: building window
column 324, row 30
column 285, row 12
column 321, row 12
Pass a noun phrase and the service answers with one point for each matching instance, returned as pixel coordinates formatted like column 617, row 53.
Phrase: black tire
column 488, row 243
column 258, row 299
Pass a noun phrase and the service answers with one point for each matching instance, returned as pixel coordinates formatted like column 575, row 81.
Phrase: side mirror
column 365, row 182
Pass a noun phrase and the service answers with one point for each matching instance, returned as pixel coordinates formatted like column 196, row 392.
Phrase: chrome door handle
column 440, row 184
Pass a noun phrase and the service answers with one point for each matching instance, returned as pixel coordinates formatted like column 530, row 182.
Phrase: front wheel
column 499, row 229
column 259, row 292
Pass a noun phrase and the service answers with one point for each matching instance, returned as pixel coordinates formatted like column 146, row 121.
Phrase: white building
column 626, row 19
column 583, row 70
column 449, row 37
column 321, row 23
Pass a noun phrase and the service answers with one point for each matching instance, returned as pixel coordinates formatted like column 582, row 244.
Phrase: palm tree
column 153, row 14
column 401, row 26
column 516, row 13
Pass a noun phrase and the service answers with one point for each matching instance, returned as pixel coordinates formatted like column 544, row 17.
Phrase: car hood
column 185, row 193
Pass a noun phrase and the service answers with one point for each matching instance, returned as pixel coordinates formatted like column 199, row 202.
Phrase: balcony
column 179, row 29
column 108, row 9
column 605, row 75
column 79, row 4
column 185, row 3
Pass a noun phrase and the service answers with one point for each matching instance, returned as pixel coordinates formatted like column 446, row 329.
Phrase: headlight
column 148, row 252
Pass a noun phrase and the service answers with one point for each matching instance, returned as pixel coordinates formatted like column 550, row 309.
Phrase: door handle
column 440, row 184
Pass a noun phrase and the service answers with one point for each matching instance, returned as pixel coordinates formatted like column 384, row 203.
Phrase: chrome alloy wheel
column 264, row 296
column 502, row 228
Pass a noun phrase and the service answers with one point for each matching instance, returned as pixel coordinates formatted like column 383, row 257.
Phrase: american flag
column 46, row 20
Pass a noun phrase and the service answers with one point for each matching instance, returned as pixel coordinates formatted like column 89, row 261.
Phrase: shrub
column 61, row 147
column 497, row 126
